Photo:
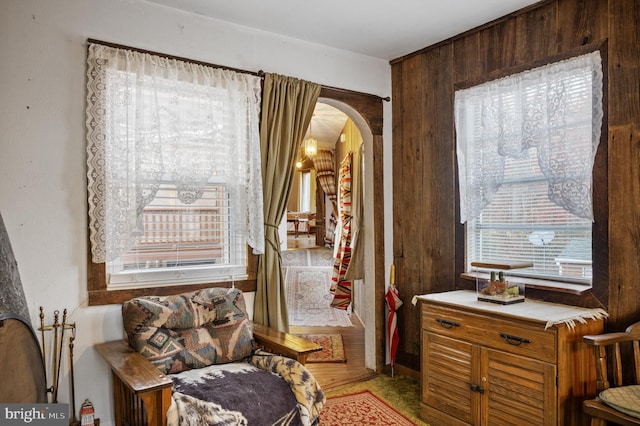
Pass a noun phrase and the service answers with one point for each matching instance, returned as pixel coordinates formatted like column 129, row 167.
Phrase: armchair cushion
column 264, row 389
column 189, row 330
column 624, row 398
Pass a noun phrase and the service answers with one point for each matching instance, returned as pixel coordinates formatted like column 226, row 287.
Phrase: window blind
column 521, row 224
column 184, row 242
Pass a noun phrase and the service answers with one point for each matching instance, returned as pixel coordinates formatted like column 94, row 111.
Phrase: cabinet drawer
column 513, row 336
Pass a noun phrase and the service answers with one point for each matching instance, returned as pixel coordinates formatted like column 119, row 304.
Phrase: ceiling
column 326, row 125
column 378, row 28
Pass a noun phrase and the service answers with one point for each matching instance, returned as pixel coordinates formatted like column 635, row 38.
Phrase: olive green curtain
column 287, row 107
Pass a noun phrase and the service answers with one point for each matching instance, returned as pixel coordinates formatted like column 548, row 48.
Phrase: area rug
column 309, row 300
column 362, row 408
column 297, row 257
column 400, row 392
column 321, row 256
column 332, row 347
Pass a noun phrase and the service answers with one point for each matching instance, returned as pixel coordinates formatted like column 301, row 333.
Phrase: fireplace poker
column 62, row 328
column 74, row 419
column 55, row 355
column 44, row 356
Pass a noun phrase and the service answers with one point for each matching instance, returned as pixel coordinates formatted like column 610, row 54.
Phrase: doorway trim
column 366, row 111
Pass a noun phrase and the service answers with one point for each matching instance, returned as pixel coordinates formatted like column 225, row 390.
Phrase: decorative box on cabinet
column 520, row 364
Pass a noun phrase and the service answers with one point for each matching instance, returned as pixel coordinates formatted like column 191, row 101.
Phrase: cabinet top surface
column 532, row 310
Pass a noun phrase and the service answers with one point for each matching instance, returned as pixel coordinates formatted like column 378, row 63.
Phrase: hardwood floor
column 330, row 375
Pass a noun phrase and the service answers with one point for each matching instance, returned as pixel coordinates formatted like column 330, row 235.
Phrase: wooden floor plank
column 330, row 375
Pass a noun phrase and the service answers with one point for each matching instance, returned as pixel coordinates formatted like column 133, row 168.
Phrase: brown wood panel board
column 408, row 187
column 431, row 177
column 429, row 109
column 466, row 58
column 439, row 177
column 397, row 161
column 624, row 225
column 581, row 22
column 447, row 196
column 410, row 272
column 624, row 62
column 498, row 46
column 428, row 243
column 536, row 33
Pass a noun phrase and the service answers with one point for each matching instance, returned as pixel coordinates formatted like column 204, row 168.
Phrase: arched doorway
column 367, row 113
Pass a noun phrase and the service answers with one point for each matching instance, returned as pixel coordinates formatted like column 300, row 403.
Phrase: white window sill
column 165, row 277
column 539, row 284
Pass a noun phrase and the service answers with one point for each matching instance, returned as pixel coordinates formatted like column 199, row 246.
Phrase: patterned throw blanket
column 210, row 395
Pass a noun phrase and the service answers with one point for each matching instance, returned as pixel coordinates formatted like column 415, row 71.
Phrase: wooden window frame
column 97, row 286
column 597, row 293
column 99, row 294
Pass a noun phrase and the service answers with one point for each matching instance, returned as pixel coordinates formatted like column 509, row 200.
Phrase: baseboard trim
column 401, row 369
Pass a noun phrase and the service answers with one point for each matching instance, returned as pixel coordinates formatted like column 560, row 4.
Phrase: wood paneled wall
column 428, row 240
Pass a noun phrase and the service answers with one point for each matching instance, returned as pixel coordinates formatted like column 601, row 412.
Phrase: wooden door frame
column 370, row 108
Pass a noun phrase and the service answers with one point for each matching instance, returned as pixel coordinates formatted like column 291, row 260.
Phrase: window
column 183, row 243
column 526, row 145
column 175, row 186
column 305, row 191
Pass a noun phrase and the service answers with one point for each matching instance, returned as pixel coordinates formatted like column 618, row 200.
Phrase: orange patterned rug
column 363, row 409
column 332, row 347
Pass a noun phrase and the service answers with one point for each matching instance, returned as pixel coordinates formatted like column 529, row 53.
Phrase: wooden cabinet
column 488, row 364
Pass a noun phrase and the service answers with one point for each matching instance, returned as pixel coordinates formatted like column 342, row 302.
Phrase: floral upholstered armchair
column 197, row 359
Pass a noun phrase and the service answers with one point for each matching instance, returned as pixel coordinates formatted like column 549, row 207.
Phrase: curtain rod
column 259, row 73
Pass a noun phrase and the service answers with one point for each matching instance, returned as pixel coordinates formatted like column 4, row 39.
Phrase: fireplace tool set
column 59, row 330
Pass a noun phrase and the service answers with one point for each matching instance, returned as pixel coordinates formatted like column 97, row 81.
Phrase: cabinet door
column 517, row 390
column 447, row 368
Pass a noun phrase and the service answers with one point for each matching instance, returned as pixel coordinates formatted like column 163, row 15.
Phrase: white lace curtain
column 556, row 109
column 152, row 119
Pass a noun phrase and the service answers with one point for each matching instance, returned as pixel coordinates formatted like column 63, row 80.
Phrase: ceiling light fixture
column 311, row 144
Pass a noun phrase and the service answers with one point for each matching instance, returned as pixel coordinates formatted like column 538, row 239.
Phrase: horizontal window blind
column 187, row 242
column 521, row 224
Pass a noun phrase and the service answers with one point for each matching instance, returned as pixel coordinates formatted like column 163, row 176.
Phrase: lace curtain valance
column 556, row 109
column 153, row 120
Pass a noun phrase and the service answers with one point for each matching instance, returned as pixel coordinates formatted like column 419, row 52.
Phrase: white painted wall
column 42, row 146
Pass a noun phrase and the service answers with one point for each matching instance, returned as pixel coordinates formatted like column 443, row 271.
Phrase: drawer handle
column 514, row 340
column 447, row 324
column 476, row 388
